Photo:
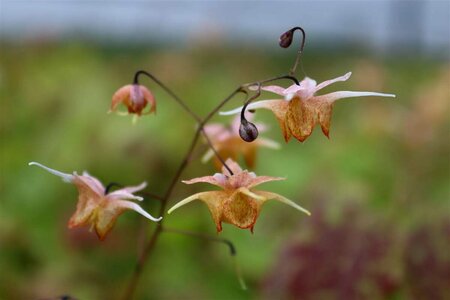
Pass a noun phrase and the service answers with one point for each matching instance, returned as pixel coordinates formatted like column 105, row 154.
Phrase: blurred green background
column 378, row 190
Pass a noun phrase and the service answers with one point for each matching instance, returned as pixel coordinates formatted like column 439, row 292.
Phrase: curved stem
column 131, row 288
column 168, row 90
column 215, row 152
column 300, row 50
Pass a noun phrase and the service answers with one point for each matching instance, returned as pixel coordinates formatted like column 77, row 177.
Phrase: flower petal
column 217, row 179
column 332, row 97
column 88, row 201
column 331, row 81
column 263, row 179
column 92, row 182
column 275, row 89
column 300, row 118
column 133, row 189
column 267, row 104
column 234, row 167
column 120, row 95
column 133, row 206
column 106, row 217
column 274, row 196
column 65, row 177
column 306, row 90
column 293, row 89
column 242, row 210
column 249, row 193
column 214, row 201
column 123, row 195
column 149, row 98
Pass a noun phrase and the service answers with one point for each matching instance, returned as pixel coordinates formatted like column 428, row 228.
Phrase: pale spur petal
column 136, row 188
column 274, row 196
column 136, row 208
column 263, row 179
column 185, row 201
column 331, row 97
column 249, row 193
column 65, row 177
column 217, row 179
column 255, row 105
column 275, row 89
column 331, row 81
column 123, row 195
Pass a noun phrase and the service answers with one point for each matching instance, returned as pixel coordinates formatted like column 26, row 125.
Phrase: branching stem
column 148, row 249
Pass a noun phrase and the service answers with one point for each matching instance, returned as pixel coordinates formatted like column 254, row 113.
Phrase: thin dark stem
column 164, row 200
column 300, row 50
column 168, row 90
column 240, row 89
column 150, row 245
column 215, row 152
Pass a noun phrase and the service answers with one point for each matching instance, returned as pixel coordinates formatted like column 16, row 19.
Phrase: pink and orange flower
column 301, row 110
column 238, row 203
column 97, row 209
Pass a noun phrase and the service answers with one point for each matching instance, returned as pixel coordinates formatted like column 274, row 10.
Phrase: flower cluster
column 298, row 111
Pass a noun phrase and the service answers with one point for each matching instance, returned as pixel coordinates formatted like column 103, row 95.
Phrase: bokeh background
column 378, row 190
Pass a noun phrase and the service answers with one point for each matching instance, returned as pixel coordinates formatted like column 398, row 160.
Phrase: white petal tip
column 227, row 113
column 65, row 177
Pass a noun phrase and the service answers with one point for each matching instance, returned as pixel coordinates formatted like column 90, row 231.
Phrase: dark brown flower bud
column 286, row 39
column 248, row 131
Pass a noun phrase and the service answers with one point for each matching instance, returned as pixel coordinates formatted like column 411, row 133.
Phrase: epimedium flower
column 135, row 97
column 227, row 142
column 238, row 203
column 301, row 110
column 95, row 208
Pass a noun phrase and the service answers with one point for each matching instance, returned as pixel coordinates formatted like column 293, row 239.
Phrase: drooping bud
column 248, row 131
column 286, row 39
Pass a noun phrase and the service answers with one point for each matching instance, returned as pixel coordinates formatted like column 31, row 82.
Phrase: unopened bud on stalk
column 286, row 39
column 248, row 131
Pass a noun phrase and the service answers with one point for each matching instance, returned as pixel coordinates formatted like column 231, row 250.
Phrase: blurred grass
column 390, row 156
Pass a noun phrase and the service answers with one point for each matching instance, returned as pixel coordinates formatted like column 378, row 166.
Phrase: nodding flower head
column 300, row 109
column 135, row 97
column 97, row 209
column 238, row 203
